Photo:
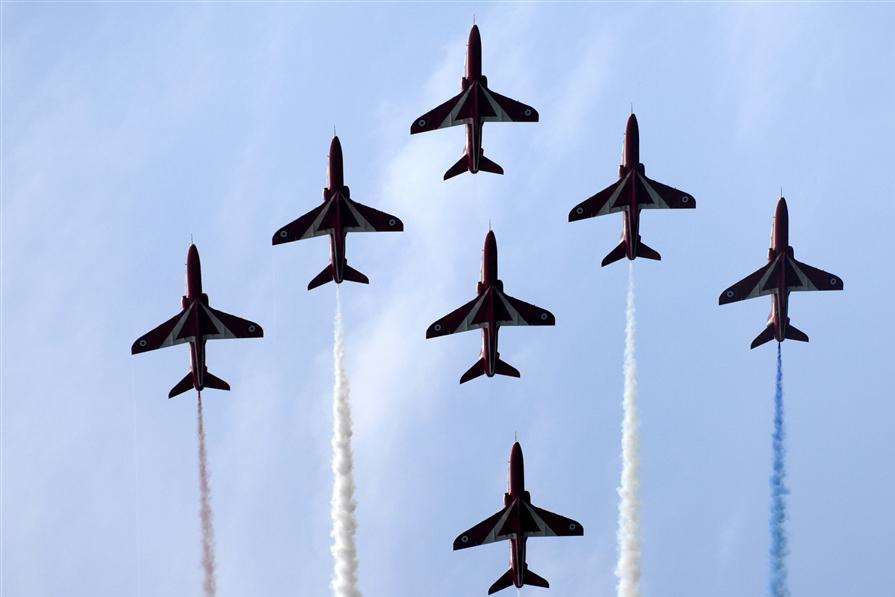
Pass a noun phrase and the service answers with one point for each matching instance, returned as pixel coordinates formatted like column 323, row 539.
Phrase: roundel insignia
column 464, row 539
column 685, row 199
column 391, row 222
column 543, row 317
column 572, row 526
column 579, row 210
column 528, row 111
column 437, row 327
column 283, row 234
column 251, row 328
column 729, row 293
column 834, row 281
column 421, row 122
column 142, row 342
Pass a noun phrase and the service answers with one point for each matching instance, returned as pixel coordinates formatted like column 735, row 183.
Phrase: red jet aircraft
column 475, row 106
column 337, row 216
column 782, row 275
column 196, row 323
column 632, row 192
column 489, row 310
column 518, row 521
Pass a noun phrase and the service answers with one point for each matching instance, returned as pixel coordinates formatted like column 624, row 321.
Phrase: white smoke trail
column 205, row 513
column 344, row 550
column 627, row 570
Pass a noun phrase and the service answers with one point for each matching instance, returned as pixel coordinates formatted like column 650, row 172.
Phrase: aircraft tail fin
column 766, row 335
column 486, row 165
column 476, row 370
column 502, row 583
column 794, row 333
column 352, row 275
column 322, row 278
column 503, row 368
column 214, row 382
column 614, row 255
column 530, row 578
column 460, row 167
column 182, row 386
column 647, row 252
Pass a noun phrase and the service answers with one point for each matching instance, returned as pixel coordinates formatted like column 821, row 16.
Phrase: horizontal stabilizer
column 530, row 578
column 765, row 336
column 215, row 383
column 614, row 255
column 647, row 252
column 487, row 165
column 794, row 333
column 322, row 278
column 476, row 370
column 502, row 583
column 460, row 167
column 352, row 275
column 182, row 386
column 503, row 368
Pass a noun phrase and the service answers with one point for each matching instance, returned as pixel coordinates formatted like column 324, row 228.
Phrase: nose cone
column 474, row 36
column 335, row 164
column 631, row 153
column 782, row 210
column 490, row 241
column 192, row 256
column 335, row 149
column 516, row 453
column 631, row 128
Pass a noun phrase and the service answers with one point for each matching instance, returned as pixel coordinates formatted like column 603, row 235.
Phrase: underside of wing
column 217, row 325
column 368, row 219
column 754, row 285
column 506, row 109
column 167, row 334
column 441, row 117
column 522, row 313
column 604, row 202
column 486, row 531
column 652, row 194
column 804, row 277
column 554, row 525
column 307, row 226
column 458, row 320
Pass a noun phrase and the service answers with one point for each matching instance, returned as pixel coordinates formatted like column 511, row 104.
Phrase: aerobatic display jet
column 632, row 192
column 489, row 310
column 781, row 275
column 475, row 105
column 196, row 323
column 518, row 521
column 337, row 216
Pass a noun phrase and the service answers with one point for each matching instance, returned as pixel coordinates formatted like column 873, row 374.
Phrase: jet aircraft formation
column 491, row 308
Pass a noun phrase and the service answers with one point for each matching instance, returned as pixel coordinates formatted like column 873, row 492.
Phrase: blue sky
column 127, row 128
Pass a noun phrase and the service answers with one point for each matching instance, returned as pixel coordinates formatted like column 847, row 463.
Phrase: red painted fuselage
column 473, row 79
column 335, row 192
column 517, row 492
column 195, row 295
column 488, row 312
column 779, row 317
column 631, row 162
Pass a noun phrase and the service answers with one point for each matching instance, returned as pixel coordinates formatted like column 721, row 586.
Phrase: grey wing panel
column 167, row 334
column 662, row 196
column 306, row 226
column 809, row 278
column 752, row 286
column 522, row 313
column 486, row 531
column 604, row 202
column 458, row 320
column 442, row 116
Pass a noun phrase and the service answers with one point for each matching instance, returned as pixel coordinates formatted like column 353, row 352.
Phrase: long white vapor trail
column 344, row 549
column 205, row 514
column 627, row 569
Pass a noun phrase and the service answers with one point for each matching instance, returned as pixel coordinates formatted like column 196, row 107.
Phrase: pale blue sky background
column 126, row 128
